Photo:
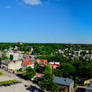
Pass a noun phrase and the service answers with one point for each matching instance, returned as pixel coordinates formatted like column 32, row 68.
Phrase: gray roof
column 90, row 85
column 63, row 81
column 5, row 62
column 89, row 88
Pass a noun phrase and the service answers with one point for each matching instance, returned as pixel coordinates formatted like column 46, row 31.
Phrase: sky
column 46, row 21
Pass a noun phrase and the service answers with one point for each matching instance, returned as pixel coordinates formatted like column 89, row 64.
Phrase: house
column 89, row 88
column 54, row 64
column 32, row 57
column 37, row 78
column 80, row 89
column 20, row 43
column 13, row 66
column 26, row 64
column 27, row 58
column 4, row 64
column 42, row 62
column 84, row 88
column 38, row 75
column 17, row 55
column 66, row 84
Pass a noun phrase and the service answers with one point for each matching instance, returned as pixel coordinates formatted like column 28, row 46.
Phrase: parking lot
column 14, row 88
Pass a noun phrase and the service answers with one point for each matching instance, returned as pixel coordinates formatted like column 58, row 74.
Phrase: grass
column 7, row 82
column 1, row 73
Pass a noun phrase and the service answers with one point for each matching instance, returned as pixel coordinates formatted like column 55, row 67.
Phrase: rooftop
column 27, row 63
column 63, row 81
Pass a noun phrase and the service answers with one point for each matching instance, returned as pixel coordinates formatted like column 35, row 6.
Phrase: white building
column 16, row 55
column 13, row 66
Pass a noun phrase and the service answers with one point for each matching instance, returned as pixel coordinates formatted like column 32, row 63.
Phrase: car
column 9, row 84
column 38, row 90
column 34, row 89
column 1, row 85
column 5, row 85
column 31, row 88
column 15, row 82
column 37, row 80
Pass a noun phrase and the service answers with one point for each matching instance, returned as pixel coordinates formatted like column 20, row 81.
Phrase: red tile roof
column 27, row 57
column 45, row 61
column 27, row 63
column 38, row 75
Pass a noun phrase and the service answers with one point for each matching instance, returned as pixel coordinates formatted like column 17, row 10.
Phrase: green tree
column 58, row 72
column 4, row 58
column 11, row 57
column 30, row 73
column 47, row 70
column 68, row 69
column 55, row 87
column 48, row 84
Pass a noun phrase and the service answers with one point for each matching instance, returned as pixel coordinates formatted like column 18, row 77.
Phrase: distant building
column 66, row 84
column 20, row 43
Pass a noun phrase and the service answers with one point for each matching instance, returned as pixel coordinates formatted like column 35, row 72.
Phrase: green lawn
column 1, row 73
column 7, row 82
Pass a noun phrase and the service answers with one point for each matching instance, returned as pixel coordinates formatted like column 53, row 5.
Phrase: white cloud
column 32, row 2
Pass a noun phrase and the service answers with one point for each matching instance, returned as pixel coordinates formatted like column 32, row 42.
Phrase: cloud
column 32, row 2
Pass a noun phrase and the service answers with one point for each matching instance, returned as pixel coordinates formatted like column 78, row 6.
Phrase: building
column 54, row 64
column 4, row 64
column 66, row 84
column 42, row 62
column 26, row 64
column 84, row 88
column 89, row 88
column 17, row 55
column 13, row 66
column 20, row 43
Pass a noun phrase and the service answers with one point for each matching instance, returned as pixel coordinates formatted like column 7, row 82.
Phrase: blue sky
column 48, row 21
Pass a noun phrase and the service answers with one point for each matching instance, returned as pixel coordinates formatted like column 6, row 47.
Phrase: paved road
column 18, row 78
column 24, row 82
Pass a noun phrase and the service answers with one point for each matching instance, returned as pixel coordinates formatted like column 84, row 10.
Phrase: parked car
column 34, row 89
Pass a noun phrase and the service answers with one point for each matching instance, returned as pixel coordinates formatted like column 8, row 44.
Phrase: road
column 18, row 78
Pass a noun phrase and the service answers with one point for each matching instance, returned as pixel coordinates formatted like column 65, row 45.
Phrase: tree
column 4, row 57
column 11, row 57
column 30, row 73
column 68, row 69
column 55, row 87
column 47, row 70
column 58, row 72
column 37, row 67
column 48, row 84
